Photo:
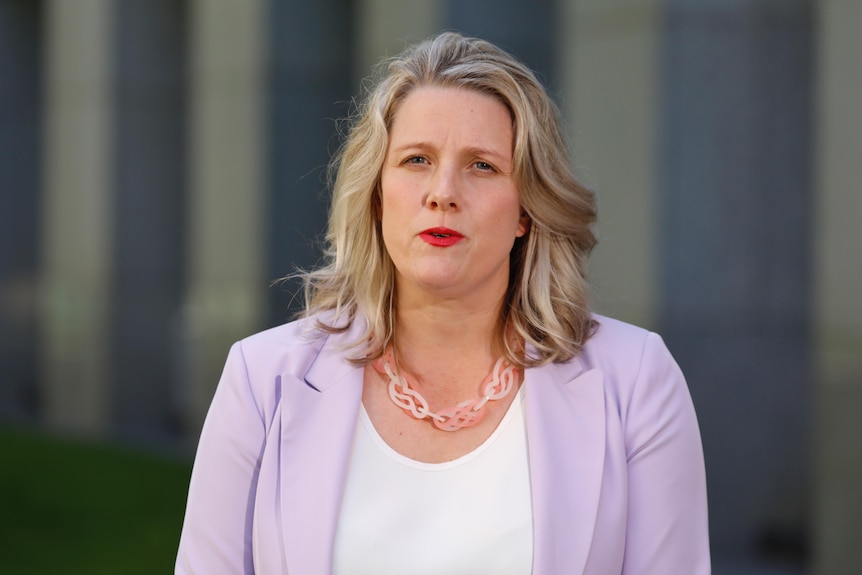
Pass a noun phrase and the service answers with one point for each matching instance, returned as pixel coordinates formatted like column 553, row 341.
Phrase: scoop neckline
column 512, row 411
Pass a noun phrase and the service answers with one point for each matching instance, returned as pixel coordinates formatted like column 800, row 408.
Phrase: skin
column 448, row 164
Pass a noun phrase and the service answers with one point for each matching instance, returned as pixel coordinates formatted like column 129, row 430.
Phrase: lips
column 441, row 237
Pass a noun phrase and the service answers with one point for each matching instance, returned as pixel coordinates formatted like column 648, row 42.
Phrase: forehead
column 435, row 112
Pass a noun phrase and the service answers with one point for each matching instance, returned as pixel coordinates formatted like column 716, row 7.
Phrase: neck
column 443, row 331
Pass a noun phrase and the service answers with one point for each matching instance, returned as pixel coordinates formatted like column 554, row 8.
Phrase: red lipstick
column 441, row 237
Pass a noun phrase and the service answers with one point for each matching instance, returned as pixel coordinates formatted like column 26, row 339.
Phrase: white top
column 466, row 516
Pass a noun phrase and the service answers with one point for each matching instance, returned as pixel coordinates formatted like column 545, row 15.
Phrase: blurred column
column 149, row 214
column 524, row 28
column 311, row 51
column 691, row 119
column 734, row 256
column 610, row 74
column 76, row 248
column 20, row 190
column 838, row 276
column 227, row 283
column 386, row 27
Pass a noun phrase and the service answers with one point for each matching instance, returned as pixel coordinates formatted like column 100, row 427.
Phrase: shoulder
column 260, row 367
column 293, row 335
column 629, row 357
column 292, row 350
column 289, row 348
column 614, row 334
column 614, row 345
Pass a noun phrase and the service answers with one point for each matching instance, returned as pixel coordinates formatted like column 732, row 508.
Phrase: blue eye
column 484, row 166
column 415, row 160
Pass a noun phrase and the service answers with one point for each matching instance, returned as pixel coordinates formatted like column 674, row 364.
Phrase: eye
column 416, row 160
column 484, row 166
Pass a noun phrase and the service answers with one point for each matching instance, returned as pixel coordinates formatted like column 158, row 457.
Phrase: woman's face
column 449, row 204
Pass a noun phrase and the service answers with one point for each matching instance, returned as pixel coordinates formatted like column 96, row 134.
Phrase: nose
column 443, row 191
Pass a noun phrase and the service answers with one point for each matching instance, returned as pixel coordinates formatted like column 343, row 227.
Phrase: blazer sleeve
column 217, row 530
column 667, row 529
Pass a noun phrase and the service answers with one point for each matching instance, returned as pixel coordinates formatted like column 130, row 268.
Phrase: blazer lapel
column 566, row 442
column 318, row 419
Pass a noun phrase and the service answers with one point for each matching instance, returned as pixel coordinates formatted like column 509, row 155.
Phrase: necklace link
column 497, row 385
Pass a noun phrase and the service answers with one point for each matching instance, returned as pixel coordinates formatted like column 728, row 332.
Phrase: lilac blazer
column 616, row 465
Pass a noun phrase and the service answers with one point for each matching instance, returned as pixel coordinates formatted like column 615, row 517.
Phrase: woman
column 448, row 404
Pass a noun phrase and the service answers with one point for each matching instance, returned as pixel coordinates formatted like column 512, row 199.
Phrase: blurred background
column 163, row 161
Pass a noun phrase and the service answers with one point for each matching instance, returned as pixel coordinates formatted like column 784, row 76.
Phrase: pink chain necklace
column 497, row 385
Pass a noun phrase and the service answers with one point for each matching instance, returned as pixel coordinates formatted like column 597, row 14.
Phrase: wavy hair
column 546, row 301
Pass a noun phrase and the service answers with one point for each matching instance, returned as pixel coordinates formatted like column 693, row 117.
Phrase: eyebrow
column 473, row 150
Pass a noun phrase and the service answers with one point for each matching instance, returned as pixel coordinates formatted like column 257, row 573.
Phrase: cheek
column 388, row 213
column 388, row 199
column 397, row 205
column 391, row 223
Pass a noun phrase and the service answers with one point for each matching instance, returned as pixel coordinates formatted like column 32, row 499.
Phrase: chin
column 438, row 284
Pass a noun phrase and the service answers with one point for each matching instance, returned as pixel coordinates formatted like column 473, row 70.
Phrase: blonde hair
column 546, row 302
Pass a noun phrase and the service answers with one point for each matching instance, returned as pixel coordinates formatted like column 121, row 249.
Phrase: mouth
column 441, row 237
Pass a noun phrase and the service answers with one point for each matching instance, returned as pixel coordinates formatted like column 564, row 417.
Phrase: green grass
column 70, row 507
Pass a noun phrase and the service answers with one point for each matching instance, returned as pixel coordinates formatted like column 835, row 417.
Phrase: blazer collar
column 330, row 366
column 565, row 407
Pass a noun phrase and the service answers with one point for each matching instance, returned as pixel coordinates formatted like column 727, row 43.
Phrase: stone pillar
column 20, row 189
column 76, row 243
column 691, row 119
column 524, row 28
column 385, row 27
column 736, row 283
column 227, row 224
column 149, row 214
column 610, row 74
column 311, row 51
column 838, row 282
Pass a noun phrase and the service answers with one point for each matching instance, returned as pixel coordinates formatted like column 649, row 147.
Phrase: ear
column 523, row 224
